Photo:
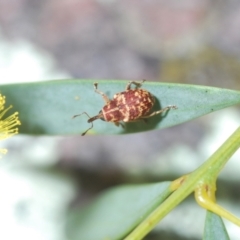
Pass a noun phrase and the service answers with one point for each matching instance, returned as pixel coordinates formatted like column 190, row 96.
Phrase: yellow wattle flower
column 8, row 125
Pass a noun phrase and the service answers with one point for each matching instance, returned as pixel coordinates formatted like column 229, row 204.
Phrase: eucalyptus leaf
column 48, row 107
column 214, row 228
column 116, row 212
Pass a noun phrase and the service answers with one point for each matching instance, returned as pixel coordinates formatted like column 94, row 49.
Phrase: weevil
column 128, row 106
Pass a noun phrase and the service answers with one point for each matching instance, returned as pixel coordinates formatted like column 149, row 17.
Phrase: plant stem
column 206, row 172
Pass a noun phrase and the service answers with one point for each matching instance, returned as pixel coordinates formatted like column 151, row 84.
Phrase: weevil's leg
column 116, row 124
column 160, row 111
column 137, row 84
column 88, row 121
column 119, row 123
column 104, row 96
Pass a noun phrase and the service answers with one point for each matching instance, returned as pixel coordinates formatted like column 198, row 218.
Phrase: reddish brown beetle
column 128, row 106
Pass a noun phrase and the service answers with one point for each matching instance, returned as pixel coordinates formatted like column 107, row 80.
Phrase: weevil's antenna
column 88, row 121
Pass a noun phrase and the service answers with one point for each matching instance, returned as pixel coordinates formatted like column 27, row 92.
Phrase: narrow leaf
column 214, row 228
column 48, row 107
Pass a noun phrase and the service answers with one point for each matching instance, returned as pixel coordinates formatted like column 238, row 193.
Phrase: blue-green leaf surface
column 214, row 228
column 48, row 107
column 117, row 212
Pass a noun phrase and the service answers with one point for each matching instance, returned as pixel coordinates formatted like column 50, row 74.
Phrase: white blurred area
column 21, row 61
column 34, row 198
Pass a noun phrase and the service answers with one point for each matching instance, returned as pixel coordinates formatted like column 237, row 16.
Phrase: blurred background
column 187, row 41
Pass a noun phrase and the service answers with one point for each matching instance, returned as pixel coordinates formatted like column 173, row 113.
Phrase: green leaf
column 48, row 107
column 115, row 213
column 214, row 228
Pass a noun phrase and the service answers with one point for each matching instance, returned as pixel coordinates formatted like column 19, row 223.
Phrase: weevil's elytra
column 128, row 106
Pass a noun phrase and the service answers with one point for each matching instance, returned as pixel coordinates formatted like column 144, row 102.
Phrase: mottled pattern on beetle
column 128, row 106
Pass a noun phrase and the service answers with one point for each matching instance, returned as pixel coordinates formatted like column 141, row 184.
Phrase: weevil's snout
column 90, row 120
column 99, row 116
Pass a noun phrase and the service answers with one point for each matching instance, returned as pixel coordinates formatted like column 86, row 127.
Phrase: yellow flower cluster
column 8, row 125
